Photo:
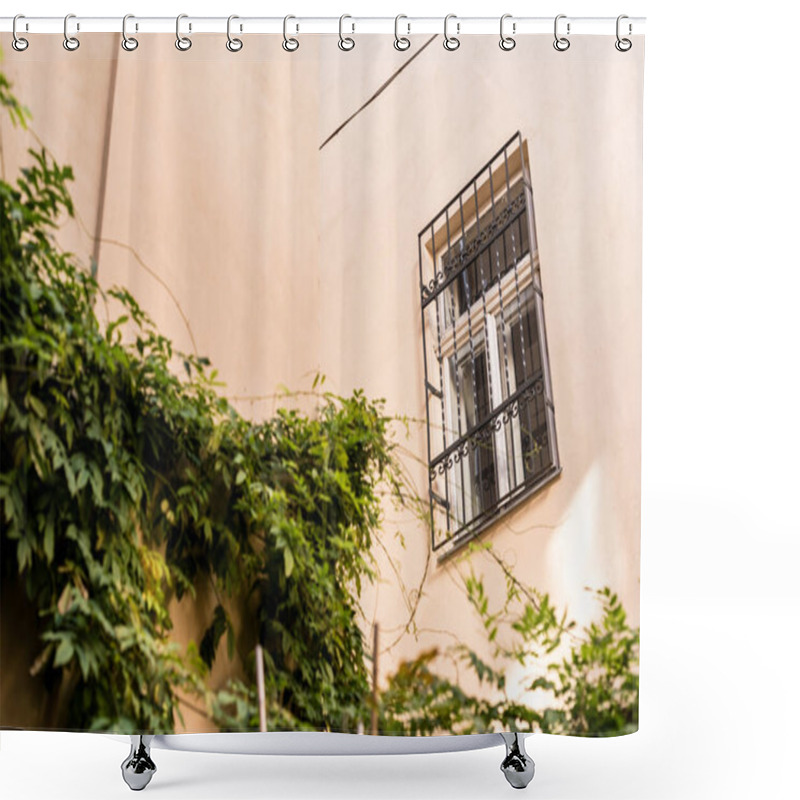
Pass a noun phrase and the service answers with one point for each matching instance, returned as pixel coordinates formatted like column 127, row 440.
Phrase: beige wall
column 278, row 259
column 385, row 175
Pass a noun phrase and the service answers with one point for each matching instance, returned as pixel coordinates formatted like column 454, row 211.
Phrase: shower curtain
column 320, row 389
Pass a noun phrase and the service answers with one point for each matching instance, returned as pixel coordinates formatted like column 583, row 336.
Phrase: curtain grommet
column 18, row 42
column 401, row 43
column 129, row 43
column 183, row 43
column 346, row 43
column 290, row 44
column 451, row 43
column 561, row 43
column 623, row 44
column 233, row 44
column 71, row 43
column 507, row 43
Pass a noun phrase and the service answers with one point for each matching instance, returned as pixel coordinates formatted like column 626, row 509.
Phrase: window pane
column 525, row 340
column 533, row 429
column 481, row 458
column 488, row 248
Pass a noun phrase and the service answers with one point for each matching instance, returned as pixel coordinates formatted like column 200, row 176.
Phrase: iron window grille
column 488, row 394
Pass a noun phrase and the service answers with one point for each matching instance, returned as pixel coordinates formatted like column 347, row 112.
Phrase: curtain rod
column 460, row 26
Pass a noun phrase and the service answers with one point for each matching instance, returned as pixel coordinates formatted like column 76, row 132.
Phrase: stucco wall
column 255, row 237
column 385, row 175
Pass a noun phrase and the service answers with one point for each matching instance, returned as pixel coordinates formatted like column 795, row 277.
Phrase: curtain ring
column 18, row 43
column 183, row 43
column 233, row 45
column 128, row 42
column 71, row 43
column 507, row 42
column 401, row 42
column 561, row 43
column 451, row 42
column 345, row 42
column 289, row 44
column 623, row 45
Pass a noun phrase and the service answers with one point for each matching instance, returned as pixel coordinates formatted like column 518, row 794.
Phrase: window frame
column 458, row 336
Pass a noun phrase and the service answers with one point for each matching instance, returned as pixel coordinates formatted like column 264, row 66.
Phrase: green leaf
column 24, row 554
column 231, row 636
column 64, row 653
column 49, row 540
column 4, row 396
column 288, row 562
column 37, row 406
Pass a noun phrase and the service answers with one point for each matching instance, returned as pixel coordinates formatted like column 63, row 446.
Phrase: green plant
column 417, row 701
column 308, row 494
column 597, row 685
column 591, row 691
column 71, row 486
column 127, row 479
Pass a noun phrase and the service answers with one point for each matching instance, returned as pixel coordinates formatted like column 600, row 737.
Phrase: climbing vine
column 128, row 480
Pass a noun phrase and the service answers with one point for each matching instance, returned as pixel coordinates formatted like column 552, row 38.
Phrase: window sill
column 527, row 493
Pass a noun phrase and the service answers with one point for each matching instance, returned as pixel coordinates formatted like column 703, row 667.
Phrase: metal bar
column 441, row 389
column 519, row 308
column 529, row 218
column 432, row 389
column 456, row 370
column 485, row 286
column 603, row 26
column 512, row 475
column 538, row 300
column 440, row 500
column 468, row 295
column 512, row 472
column 484, row 518
column 475, row 489
column 489, row 355
column 431, row 295
column 472, row 181
column 495, row 413
column 427, row 396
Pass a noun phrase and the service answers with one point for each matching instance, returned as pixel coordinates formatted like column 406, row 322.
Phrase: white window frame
column 511, row 288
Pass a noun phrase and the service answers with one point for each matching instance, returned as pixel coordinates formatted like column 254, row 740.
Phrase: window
column 491, row 423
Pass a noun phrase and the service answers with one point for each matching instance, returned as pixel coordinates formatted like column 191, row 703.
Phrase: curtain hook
column 345, row 42
column 401, row 42
column 128, row 42
column 183, row 43
column 234, row 45
column 561, row 43
column 451, row 42
column 623, row 45
column 507, row 42
column 71, row 43
column 18, row 43
column 289, row 44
